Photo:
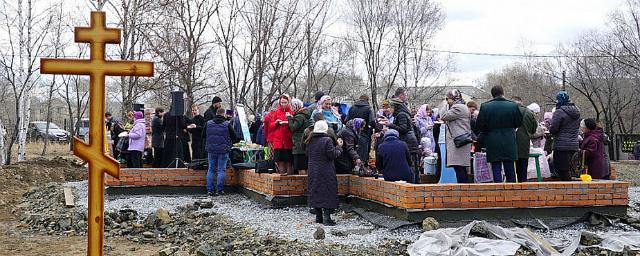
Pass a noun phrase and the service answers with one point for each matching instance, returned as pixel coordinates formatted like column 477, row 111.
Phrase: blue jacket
column 394, row 160
column 219, row 136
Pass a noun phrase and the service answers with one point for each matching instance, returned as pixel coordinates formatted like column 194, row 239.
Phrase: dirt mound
column 18, row 178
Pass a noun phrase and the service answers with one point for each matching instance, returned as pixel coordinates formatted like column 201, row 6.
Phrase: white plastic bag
column 544, row 164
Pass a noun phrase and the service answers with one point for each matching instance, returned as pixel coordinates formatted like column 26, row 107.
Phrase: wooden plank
column 68, row 197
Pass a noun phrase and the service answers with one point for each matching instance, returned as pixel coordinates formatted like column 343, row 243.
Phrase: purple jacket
column 593, row 146
column 136, row 136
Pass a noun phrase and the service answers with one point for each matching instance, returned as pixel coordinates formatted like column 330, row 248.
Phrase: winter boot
column 318, row 215
column 327, row 221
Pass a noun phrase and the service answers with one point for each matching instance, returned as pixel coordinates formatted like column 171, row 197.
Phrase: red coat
column 593, row 146
column 268, row 127
column 281, row 134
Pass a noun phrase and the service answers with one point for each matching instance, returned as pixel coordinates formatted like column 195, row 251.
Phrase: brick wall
column 402, row 195
column 277, row 185
column 166, row 177
column 531, row 194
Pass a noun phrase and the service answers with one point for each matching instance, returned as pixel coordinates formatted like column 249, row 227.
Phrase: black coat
column 157, row 132
column 344, row 162
column 404, row 125
column 322, row 181
column 361, row 109
column 210, row 114
column 197, row 138
column 565, row 126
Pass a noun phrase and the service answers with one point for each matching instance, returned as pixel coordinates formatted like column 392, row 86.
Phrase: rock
column 429, row 224
column 206, row 204
column 163, row 216
column 148, row 234
column 319, row 233
column 168, row 251
column 138, row 225
column 205, row 250
column 338, row 232
column 65, row 223
column 151, row 220
column 588, row 238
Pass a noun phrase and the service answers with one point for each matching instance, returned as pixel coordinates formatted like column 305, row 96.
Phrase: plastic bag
column 363, row 170
column 545, row 171
column 482, row 171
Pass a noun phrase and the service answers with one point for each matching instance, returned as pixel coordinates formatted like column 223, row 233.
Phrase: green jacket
column 497, row 123
column 297, row 124
column 523, row 135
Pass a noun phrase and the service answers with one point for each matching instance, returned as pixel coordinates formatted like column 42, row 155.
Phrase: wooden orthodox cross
column 97, row 35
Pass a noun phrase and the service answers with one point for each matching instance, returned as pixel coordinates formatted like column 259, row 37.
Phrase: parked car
column 83, row 129
column 36, row 132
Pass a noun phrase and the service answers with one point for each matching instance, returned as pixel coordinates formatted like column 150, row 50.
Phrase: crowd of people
column 321, row 141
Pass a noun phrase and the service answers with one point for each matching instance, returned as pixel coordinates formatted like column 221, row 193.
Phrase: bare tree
column 25, row 32
column 182, row 44
column 135, row 18
column 372, row 21
column 58, row 49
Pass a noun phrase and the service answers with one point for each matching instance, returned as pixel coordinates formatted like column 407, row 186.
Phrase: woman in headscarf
column 297, row 124
column 136, row 141
column 282, row 137
column 455, row 114
column 349, row 157
column 393, row 158
column 322, row 180
column 330, row 113
column 565, row 126
column 425, row 123
column 403, row 123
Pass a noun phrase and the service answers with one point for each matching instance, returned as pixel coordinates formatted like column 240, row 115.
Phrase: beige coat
column 456, row 119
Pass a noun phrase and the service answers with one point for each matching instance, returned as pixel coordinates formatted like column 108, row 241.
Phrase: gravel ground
column 294, row 223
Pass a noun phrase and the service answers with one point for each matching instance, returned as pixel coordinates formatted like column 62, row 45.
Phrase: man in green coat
column 523, row 137
column 497, row 123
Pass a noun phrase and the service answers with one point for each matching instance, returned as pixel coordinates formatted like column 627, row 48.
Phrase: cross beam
column 96, row 67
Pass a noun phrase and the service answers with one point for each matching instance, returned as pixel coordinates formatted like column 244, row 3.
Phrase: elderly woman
column 322, row 180
column 564, row 127
column 403, row 123
column 425, row 123
column 282, row 137
column 455, row 114
column 330, row 113
column 297, row 124
column 592, row 147
column 136, row 141
column 349, row 157
column 394, row 159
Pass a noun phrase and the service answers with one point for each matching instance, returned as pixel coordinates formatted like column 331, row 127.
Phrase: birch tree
column 25, row 32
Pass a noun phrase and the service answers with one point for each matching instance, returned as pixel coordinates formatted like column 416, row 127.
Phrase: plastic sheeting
column 457, row 242
column 460, row 242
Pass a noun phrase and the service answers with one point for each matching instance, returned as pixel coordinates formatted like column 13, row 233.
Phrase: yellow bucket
column 585, row 177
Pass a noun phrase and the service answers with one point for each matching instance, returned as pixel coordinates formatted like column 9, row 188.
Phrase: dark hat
column 216, row 99
column 319, row 95
column 107, row 114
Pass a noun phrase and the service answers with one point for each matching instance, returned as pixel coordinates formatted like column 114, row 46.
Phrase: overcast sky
column 510, row 26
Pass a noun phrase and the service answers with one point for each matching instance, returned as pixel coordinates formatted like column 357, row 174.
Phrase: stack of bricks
column 166, row 177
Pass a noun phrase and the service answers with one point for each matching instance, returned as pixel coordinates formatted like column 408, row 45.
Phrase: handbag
column 462, row 139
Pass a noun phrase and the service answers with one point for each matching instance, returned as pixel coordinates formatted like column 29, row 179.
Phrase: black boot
column 318, row 212
column 327, row 221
